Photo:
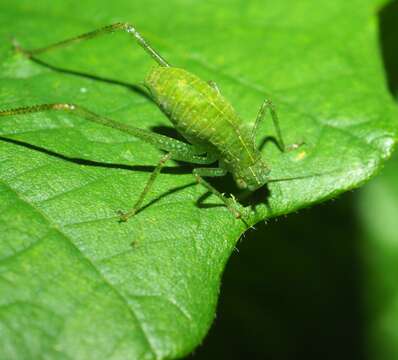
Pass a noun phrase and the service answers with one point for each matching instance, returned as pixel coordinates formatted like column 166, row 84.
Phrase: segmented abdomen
column 200, row 113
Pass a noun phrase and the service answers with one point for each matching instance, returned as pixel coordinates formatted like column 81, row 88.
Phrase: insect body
column 198, row 111
column 207, row 120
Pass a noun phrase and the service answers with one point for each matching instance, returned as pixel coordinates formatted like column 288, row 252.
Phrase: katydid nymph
column 213, row 130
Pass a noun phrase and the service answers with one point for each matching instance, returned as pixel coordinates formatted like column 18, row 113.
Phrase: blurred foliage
column 292, row 291
column 388, row 18
column 378, row 209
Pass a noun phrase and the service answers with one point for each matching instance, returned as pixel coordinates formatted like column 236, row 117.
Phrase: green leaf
column 77, row 284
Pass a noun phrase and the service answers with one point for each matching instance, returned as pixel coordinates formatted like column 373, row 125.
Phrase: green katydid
column 198, row 111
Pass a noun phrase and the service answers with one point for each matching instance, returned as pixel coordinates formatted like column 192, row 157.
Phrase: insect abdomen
column 198, row 111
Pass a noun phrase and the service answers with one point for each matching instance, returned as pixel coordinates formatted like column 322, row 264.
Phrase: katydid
column 197, row 110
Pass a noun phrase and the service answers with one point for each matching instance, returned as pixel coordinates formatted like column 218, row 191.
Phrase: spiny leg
column 181, row 151
column 232, row 205
column 125, row 216
column 177, row 150
column 102, row 31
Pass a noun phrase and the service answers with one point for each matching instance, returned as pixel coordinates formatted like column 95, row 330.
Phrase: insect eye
column 241, row 183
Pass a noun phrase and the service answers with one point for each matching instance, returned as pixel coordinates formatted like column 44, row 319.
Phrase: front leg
column 269, row 105
column 233, row 206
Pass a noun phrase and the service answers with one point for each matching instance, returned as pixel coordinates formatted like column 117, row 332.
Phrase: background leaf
column 378, row 208
column 74, row 285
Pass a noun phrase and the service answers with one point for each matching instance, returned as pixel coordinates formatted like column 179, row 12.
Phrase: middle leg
column 124, row 216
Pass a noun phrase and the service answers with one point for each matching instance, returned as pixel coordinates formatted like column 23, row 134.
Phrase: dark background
column 294, row 290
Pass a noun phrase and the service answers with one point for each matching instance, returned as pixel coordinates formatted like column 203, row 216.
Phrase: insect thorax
column 252, row 176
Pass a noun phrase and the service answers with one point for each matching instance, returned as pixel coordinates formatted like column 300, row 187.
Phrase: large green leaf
column 77, row 284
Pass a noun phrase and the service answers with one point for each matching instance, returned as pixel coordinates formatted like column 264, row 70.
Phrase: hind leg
column 124, row 27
